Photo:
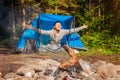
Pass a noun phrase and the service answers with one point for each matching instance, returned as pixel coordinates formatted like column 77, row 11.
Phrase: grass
column 96, row 52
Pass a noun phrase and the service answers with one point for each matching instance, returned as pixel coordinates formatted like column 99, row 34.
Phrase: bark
column 12, row 24
column 99, row 8
column 23, row 13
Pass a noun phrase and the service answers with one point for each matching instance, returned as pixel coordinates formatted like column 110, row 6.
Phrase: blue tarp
column 46, row 22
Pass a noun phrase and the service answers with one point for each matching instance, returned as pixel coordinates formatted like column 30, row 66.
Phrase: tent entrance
column 30, row 46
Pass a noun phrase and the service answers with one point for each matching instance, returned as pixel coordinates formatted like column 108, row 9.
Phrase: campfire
column 44, row 69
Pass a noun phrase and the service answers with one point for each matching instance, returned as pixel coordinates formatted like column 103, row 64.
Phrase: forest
column 102, row 17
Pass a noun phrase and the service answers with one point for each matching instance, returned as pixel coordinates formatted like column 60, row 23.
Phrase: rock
column 63, row 76
column 52, row 62
column 48, row 72
column 12, row 76
column 26, row 71
column 53, row 69
column 84, row 74
column 96, row 64
column 86, row 67
column 52, row 65
column 39, row 64
column 77, row 76
column 94, row 76
column 39, row 76
column 2, row 79
column 117, row 77
column 24, row 78
column 37, row 68
column 117, row 67
column 107, row 71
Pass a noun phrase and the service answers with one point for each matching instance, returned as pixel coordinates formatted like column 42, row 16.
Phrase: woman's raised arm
column 73, row 30
column 37, row 30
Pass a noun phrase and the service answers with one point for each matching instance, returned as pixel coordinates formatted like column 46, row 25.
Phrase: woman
column 56, row 34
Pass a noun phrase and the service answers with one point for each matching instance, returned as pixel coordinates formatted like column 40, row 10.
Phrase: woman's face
column 57, row 26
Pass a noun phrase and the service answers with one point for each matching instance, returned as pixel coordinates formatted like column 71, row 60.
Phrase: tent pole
column 74, row 29
column 40, row 37
column 72, row 26
column 69, row 32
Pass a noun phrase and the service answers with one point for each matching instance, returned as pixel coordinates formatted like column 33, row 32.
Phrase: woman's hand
column 85, row 26
column 28, row 26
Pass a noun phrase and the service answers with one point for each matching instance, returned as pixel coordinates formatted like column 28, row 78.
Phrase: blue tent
column 46, row 22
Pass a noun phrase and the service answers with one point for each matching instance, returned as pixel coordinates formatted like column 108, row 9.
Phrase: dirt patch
column 114, row 58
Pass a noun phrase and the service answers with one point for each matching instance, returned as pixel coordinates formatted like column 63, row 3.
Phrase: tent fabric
column 46, row 22
column 75, row 42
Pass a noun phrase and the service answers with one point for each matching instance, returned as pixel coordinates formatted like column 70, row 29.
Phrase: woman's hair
column 56, row 22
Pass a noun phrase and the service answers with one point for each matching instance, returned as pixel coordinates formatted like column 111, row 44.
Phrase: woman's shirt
column 57, row 38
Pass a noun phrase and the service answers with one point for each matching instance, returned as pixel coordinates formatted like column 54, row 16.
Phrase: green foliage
column 67, row 7
column 102, row 43
column 52, row 2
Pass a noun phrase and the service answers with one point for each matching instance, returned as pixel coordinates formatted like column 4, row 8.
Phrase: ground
column 7, row 56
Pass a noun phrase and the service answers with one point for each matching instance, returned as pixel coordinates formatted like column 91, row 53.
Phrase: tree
column 23, row 12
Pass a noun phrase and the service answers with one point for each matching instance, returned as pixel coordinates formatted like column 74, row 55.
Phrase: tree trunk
column 56, row 7
column 13, row 20
column 99, row 8
column 90, row 4
column 99, row 13
column 12, row 24
column 23, row 13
